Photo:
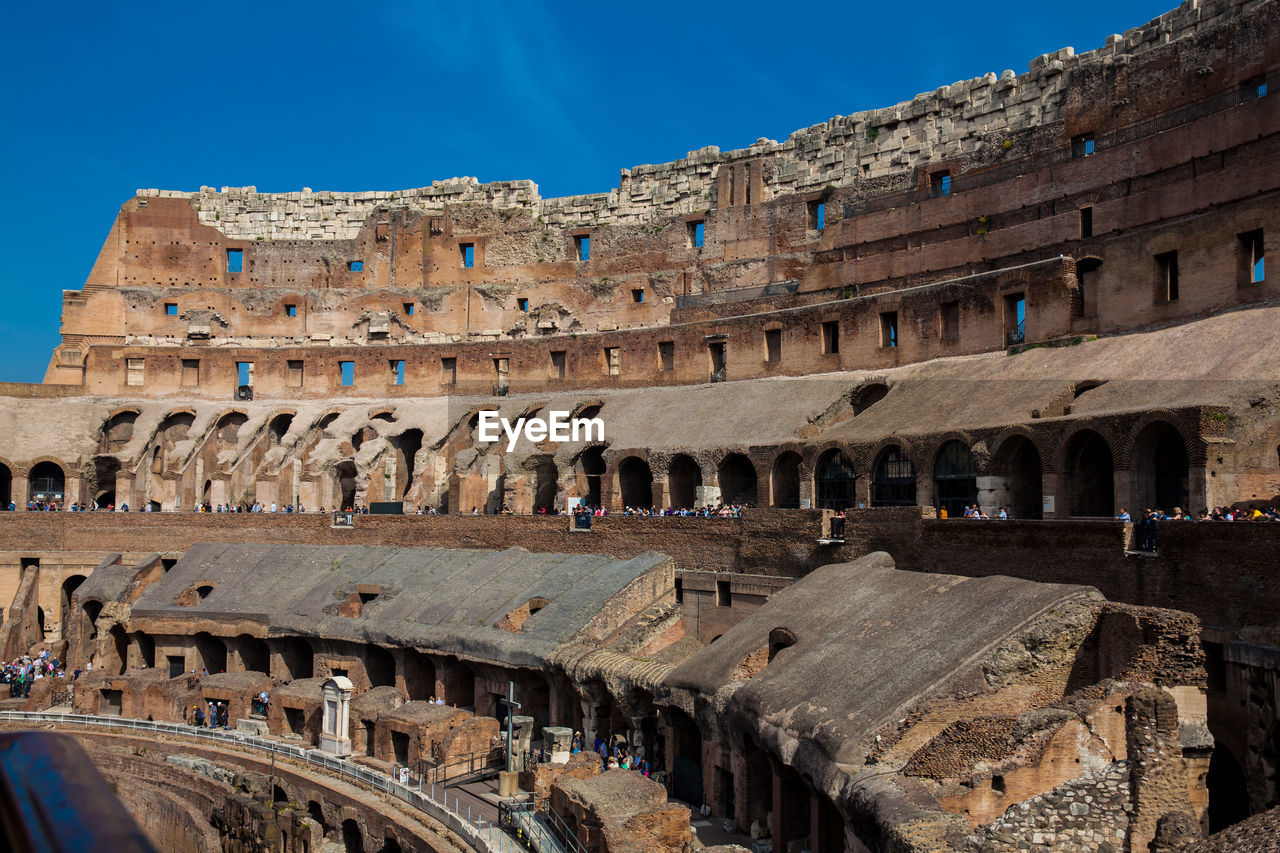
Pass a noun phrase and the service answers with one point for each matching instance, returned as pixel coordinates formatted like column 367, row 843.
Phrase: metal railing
column 1016, row 335
column 472, row 829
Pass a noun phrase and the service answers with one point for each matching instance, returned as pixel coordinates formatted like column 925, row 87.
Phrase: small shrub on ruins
column 1008, row 143
column 872, row 133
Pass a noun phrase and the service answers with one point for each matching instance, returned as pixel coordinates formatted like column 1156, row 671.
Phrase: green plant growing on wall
column 1007, row 144
column 828, row 191
column 872, row 133
column 984, row 225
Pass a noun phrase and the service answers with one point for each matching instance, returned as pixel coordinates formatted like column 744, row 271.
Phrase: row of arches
column 1013, row 477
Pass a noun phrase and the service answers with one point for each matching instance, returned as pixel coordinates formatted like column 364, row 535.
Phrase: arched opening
column 229, row 430
column 255, row 656
column 833, row 481
column 786, row 480
column 104, row 500
column 635, row 482
column 345, row 477
column 40, row 622
column 92, row 610
column 278, row 428
column 407, row 445
column 1160, row 468
column 102, row 480
column 779, row 639
column 206, row 494
column 146, row 647
column 157, row 460
column 867, row 396
column 1088, row 271
column 119, row 650
column 297, row 658
column 352, row 839
column 1017, row 478
column 592, row 461
column 1228, row 790
column 737, row 478
column 955, row 479
column 327, row 421
column 316, row 811
column 546, row 476
column 684, row 478
column 686, row 777
column 48, row 482
column 212, row 651
column 69, row 587
column 118, row 431
column 155, row 505
column 6, row 487
column 390, row 845
column 1088, row 476
column 893, row 479
column 380, row 666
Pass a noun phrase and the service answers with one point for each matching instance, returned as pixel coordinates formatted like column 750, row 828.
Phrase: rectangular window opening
column 244, row 373
column 724, row 594
column 889, row 329
column 831, row 337
column 448, row 371
column 293, row 373
column 940, row 184
column 347, row 371
column 582, row 245
column 397, row 371
column 1082, row 145
column 679, row 591
column 697, row 232
column 409, row 309
column 817, row 216
column 355, row 266
column 949, row 320
column 667, row 355
column 613, row 360
column 235, row 260
column 501, row 368
column 557, row 363
column 1086, row 222
column 134, row 371
column 637, row 295
column 1254, row 87
column 1167, row 276
column 773, row 346
column 1253, row 261
column 291, row 310
column 1015, row 318
column 523, row 304
column 191, row 371
column 171, row 309
column 468, row 252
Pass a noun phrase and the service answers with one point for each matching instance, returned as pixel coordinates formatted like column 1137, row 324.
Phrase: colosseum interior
column 1043, row 294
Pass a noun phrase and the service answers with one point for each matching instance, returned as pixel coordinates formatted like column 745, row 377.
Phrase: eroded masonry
column 1045, row 293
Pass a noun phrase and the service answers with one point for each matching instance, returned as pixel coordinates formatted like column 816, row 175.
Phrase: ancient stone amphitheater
column 1044, row 293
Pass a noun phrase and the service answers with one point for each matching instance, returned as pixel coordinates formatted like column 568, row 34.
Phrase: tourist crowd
column 22, row 672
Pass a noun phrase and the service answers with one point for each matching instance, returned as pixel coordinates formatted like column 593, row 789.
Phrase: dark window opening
column 1015, row 319
column 949, row 321
column 940, row 184
column 177, row 665
column 348, row 369
column 1254, row 87
column 831, row 337
column 409, row 309
column 522, row 304
column 191, row 371
column 719, row 361
column 1082, row 145
column 697, row 231
column 637, row 294
column 679, row 591
column 355, row 266
column 449, row 370
column 1167, row 277
column 724, row 594
column 291, row 310
column 817, row 216
column 667, row 355
column 1253, row 262
column 1215, row 666
column 557, row 363
column 171, row 309
column 889, row 329
column 1086, row 222
column 997, row 784
column 468, row 252
column 613, row 360
column 893, row 479
column 773, row 346
column 235, row 260
column 582, row 247
column 397, row 371
column 779, row 639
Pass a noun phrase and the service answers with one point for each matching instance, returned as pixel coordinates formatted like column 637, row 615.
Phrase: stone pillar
column 1157, row 776
column 558, row 742
column 1122, row 490
column 21, row 490
column 780, row 835
column 337, row 716
column 522, row 739
column 1051, row 487
column 124, row 491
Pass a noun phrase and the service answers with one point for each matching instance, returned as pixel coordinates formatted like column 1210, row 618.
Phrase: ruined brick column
column 1157, row 777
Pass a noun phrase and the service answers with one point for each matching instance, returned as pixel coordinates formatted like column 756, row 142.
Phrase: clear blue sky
column 105, row 97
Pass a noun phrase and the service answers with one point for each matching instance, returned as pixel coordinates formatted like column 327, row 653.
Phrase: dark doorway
column 6, row 487
column 684, row 477
column 352, row 838
column 1228, row 790
column 592, row 460
column 345, row 473
column 893, row 480
column 69, row 587
column 544, row 495
column 737, row 477
column 635, row 481
column 686, row 778
column 48, row 483
column 786, row 480
column 1017, row 474
column 1160, row 469
column 833, row 481
column 955, row 479
column 1089, row 476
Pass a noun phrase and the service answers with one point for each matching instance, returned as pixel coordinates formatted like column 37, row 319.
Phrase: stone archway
column 893, row 478
column 635, row 482
column 1088, row 476
column 834, row 481
column 684, row 478
column 1017, row 478
column 737, row 478
column 1160, row 468
column 955, row 478
column 785, row 480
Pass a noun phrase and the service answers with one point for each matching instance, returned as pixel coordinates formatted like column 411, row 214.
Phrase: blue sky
column 104, row 98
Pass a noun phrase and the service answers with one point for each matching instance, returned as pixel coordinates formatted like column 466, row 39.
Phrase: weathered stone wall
column 1089, row 813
